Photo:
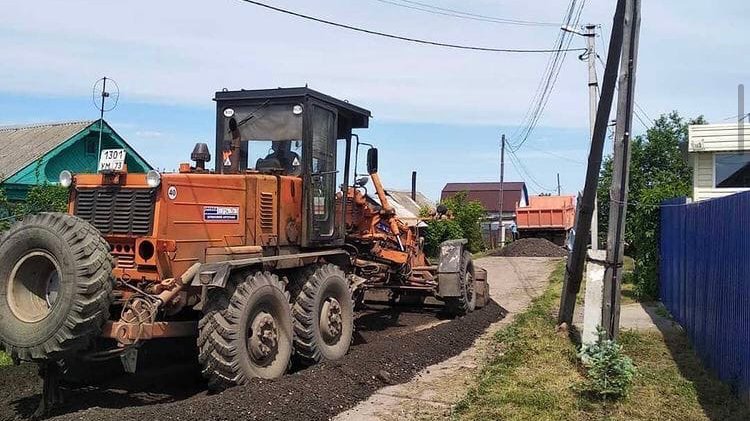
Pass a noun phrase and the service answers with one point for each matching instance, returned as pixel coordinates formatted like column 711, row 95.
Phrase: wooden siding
column 711, row 193
column 703, row 170
column 704, row 142
column 717, row 138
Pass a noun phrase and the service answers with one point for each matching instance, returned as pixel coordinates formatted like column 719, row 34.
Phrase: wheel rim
column 331, row 322
column 34, row 286
column 263, row 338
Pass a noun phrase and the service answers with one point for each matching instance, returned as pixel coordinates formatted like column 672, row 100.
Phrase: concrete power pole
column 575, row 264
column 502, row 176
column 621, row 171
column 593, row 100
column 559, row 188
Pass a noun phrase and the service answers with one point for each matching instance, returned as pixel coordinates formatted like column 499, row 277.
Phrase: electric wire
column 550, row 76
column 424, row 7
column 638, row 107
column 556, row 155
column 524, row 172
column 400, row 37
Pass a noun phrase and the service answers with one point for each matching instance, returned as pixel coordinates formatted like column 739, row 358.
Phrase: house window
column 732, row 170
column 91, row 146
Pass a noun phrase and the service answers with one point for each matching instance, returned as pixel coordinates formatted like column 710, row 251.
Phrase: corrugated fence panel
column 704, row 270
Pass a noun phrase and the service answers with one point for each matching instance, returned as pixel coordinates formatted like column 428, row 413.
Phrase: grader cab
column 261, row 259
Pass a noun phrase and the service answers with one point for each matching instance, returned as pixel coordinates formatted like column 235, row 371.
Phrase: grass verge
column 534, row 374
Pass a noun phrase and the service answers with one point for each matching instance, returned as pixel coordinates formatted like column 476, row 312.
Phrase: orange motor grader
column 261, row 259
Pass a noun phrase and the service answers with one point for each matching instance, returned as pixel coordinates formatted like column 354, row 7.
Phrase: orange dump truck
column 550, row 217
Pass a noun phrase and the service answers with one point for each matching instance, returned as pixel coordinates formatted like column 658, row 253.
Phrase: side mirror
column 372, row 160
column 362, row 181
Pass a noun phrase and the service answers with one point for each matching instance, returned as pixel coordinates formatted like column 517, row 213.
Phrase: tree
column 659, row 171
column 466, row 216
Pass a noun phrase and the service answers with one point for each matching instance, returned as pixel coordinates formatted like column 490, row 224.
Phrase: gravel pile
column 386, row 350
column 532, row 247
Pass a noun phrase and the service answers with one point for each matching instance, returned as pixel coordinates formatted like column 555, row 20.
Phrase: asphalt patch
column 389, row 348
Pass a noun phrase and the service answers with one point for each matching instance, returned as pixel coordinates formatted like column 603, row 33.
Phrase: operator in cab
column 281, row 158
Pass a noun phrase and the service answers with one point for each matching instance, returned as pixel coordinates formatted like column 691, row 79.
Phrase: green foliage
column 465, row 220
column 469, row 215
column 45, row 198
column 609, row 372
column 42, row 198
column 5, row 359
column 6, row 211
column 425, row 211
column 438, row 231
column 659, row 171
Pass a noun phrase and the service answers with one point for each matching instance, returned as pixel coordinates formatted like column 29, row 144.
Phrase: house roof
column 484, row 186
column 488, row 194
column 403, row 212
column 22, row 145
column 414, row 206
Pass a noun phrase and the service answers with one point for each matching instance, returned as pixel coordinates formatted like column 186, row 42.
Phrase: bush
column 438, row 231
column 45, row 198
column 42, row 198
column 609, row 372
column 465, row 220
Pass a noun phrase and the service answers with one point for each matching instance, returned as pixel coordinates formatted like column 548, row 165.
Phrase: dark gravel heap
column 386, row 351
column 532, row 247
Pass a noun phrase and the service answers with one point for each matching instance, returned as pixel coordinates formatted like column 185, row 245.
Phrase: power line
column 549, row 78
column 573, row 160
column 638, row 108
column 403, row 38
column 424, row 7
column 522, row 170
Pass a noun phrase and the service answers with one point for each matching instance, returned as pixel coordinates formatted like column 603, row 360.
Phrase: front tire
column 55, row 286
column 323, row 315
column 467, row 301
column 246, row 331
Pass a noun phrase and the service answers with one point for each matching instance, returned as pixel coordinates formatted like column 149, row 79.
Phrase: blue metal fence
column 704, row 274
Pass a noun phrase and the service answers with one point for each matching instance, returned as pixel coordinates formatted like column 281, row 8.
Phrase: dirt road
column 391, row 346
column 514, row 282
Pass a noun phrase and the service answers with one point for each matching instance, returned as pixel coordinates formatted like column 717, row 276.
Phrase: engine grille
column 266, row 212
column 117, row 210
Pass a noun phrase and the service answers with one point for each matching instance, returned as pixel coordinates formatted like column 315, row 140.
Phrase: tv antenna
column 104, row 101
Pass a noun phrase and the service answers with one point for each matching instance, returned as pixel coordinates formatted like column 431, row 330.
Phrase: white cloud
column 148, row 133
column 180, row 52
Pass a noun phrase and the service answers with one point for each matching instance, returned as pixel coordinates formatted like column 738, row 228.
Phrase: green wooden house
column 35, row 154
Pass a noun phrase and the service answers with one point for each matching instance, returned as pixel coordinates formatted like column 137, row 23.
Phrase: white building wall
column 705, row 141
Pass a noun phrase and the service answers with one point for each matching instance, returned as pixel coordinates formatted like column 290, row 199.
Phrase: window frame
column 713, row 170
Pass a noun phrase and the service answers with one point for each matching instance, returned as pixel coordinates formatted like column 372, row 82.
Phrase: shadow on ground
column 712, row 393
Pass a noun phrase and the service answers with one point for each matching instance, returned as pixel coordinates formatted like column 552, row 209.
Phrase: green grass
column 5, row 359
column 533, row 374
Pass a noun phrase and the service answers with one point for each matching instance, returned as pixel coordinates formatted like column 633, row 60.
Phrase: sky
column 436, row 111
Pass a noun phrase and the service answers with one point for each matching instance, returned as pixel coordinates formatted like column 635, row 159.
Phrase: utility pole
column 558, row 184
column 502, row 175
column 620, row 171
column 593, row 99
column 575, row 264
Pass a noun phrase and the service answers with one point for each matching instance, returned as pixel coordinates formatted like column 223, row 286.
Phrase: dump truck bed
column 546, row 213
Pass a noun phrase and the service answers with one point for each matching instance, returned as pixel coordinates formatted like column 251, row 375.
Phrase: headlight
column 153, row 178
column 66, row 178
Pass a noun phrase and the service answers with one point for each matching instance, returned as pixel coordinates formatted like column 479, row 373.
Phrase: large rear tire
column 246, row 331
column 323, row 315
column 55, row 286
column 466, row 302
